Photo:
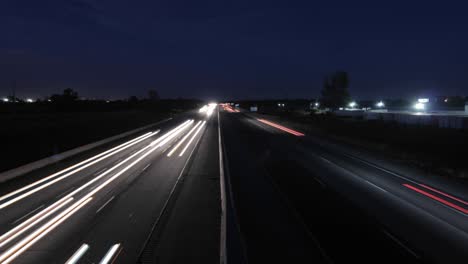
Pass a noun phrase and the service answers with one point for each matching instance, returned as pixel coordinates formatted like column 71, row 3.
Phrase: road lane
column 118, row 201
column 434, row 230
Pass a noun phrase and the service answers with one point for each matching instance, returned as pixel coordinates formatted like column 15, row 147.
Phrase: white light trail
column 110, row 254
column 191, row 139
column 40, row 216
column 96, row 159
column 28, row 241
column 173, row 135
column 28, row 224
column 183, row 139
column 78, row 254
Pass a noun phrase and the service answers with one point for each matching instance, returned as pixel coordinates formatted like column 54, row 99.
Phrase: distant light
column 352, row 104
column 446, row 100
column 419, row 106
column 5, row 100
column 48, row 100
column 341, row 108
column 29, row 100
column 423, row 100
column 317, row 104
column 107, row 101
column 380, row 104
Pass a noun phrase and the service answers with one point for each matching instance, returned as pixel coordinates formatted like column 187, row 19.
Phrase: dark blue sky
column 238, row 49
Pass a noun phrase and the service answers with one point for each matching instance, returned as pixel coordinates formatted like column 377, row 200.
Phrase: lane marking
column 111, row 254
column 149, row 164
column 445, row 202
column 30, row 240
column 28, row 224
column 192, row 138
column 280, row 127
column 106, row 203
column 62, row 194
column 222, row 247
column 26, row 215
column 99, row 172
column 375, row 186
column 78, row 254
column 183, row 139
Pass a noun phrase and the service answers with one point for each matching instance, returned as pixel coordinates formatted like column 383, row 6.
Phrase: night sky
column 233, row 49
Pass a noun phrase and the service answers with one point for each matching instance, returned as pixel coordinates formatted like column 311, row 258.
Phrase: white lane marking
column 99, row 172
column 31, row 239
column 62, row 194
column 375, row 186
column 380, row 168
column 110, row 254
column 78, row 254
column 149, row 164
column 106, row 203
column 222, row 248
column 183, row 139
column 26, row 194
column 28, row 224
column 192, row 138
column 28, row 214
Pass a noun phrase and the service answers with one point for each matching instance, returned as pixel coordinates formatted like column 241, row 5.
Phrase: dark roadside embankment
column 30, row 132
column 435, row 150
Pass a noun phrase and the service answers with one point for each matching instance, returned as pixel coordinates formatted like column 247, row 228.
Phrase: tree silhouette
column 335, row 92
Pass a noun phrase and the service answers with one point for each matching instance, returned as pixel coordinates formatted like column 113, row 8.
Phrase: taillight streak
column 280, row 127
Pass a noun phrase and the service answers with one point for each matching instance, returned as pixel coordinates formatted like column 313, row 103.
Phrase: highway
column 302, row 197
column 110, row 205
column 277, row 196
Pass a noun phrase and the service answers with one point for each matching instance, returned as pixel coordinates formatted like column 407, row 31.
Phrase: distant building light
column 6, row 100
column 423, row 100
column 48, row 100
column 380, row 104
column 419, row 106
column 317, row 104
column 352, row 104
column 29, row 100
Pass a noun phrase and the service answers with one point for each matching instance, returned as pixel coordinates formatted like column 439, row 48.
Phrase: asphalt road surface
column 298, row 198
column 278, row 196
column 110, row 205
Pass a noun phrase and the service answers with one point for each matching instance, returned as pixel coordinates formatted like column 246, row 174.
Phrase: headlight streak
column 191, row 139
column 110, row 254
column 28, row 224
column 169, row 134
column 31, row 239
column 183, row 139
column 78, row 254
column 93, row 160
column 163, row 142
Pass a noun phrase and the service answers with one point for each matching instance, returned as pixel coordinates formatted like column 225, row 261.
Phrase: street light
column 380, row 104
column 5, row 100
column 352, row 104
column 29, row 100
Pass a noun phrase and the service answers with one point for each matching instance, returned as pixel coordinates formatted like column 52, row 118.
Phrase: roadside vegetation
column 31, row 131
